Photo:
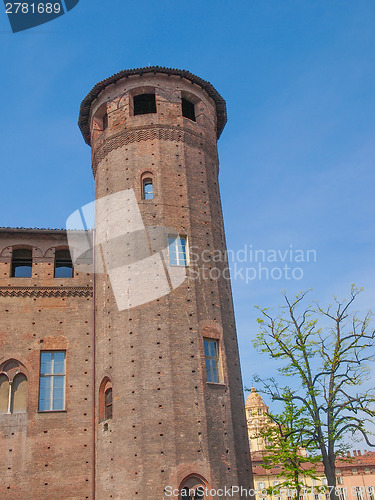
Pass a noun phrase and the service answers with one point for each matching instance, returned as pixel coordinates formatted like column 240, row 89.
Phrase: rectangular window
column 211, row 353
column 144, row 104
column 63, row 264
column 21, row 263
column 358, row 493
column 177, row 250
column 108, row 403
column 371, row 493
column 52, row 381
column 342, row 494
column 105, row 121
column 148, row 191
column 339, row 479
column 188, row 109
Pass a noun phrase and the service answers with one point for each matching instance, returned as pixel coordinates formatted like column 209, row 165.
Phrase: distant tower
column 168, row 381
column 257, row 420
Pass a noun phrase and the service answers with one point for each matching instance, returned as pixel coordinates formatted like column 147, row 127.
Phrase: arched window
column 63, row 264
column 147, row 185
column 105, row 400
column 4, row 393
column 22, row 262
column 13, row 387
column 192, row 493
column 18, row 398
column 193, row 487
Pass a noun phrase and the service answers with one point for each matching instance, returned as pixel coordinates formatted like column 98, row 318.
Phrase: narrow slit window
column 188, row 109
column 211, row 353
column 177, row 250
column 22, row 262
column 105, row 121
column 18, row 399
column 52, row 381
column 63, row 264
column 342, row 495
column 108, row 403
column 144, row 104
column 148, row 189
column 4, row 393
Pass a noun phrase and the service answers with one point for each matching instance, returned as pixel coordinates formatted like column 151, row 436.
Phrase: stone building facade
column 129, row 382
column 355, row 472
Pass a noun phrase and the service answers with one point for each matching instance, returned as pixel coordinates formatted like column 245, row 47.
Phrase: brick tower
column 167, row 375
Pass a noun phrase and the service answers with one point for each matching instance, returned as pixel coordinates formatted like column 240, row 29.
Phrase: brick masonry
column 43, row 452
column 173, row 422
column 168, row 423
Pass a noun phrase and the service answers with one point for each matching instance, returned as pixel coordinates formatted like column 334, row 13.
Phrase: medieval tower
column 121, row 380
column 171, row 365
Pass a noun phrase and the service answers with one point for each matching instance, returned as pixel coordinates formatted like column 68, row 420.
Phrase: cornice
column 148, row 133
column 45, row 291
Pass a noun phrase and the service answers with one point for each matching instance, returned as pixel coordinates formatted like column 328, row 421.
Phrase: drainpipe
column 93, row 373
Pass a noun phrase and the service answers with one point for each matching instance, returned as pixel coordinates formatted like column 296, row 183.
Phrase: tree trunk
column 330, row 473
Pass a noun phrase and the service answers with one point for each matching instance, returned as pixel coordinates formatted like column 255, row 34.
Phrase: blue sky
column 297, row 154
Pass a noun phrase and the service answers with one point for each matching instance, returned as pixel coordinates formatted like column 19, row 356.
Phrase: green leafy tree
column 286, row 447
column 328, row 352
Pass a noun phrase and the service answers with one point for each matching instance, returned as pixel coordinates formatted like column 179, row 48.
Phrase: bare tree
column 331, row 361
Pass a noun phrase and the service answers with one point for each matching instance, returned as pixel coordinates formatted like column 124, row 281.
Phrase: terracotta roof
column 366, row 459
column 84, row 113
column 357, row 459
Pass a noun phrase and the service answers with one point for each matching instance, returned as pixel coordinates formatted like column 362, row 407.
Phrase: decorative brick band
column 45, row 291
column 149, row 133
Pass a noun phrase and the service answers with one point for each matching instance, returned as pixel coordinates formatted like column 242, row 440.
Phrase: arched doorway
column 193, row 487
